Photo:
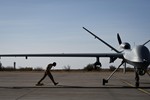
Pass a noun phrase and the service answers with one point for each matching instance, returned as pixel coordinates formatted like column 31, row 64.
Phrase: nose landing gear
column 139, row 71
column 137, row 78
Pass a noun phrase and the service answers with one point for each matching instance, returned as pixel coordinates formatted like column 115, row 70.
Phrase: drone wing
column 118, row 55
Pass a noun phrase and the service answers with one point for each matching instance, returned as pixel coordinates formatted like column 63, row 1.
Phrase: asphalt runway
column 73, row 86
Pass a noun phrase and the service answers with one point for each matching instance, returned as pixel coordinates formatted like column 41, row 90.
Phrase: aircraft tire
column 105, row 81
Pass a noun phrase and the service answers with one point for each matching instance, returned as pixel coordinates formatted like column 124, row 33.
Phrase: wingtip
column 83, row 27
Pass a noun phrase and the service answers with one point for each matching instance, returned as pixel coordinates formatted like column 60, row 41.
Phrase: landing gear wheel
column 105, row 81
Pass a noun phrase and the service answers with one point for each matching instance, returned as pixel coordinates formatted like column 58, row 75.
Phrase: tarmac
column 73, row 86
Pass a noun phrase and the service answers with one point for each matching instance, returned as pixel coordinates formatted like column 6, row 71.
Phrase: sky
column 55, row 26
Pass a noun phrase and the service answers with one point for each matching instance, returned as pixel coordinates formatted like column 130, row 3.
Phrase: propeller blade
column 119, row 39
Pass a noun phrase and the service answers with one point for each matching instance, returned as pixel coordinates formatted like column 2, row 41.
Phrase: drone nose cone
column 141, row 53
column 139, row 57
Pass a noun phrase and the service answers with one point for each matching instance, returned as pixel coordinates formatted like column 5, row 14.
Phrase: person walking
column 47, row 72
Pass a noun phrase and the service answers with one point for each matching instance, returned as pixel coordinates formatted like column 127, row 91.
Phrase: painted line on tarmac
column 142, row 90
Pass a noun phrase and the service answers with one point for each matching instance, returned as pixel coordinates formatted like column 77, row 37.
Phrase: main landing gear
column 106, row 80
column 137, row 78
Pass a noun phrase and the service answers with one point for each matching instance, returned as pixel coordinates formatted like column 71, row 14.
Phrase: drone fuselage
column 139, row 57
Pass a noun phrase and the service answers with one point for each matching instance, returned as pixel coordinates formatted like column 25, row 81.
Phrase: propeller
column 119, row 39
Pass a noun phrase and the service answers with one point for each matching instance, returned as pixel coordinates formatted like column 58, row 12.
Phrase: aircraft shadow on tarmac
column 77, row 87
column 103, row 87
